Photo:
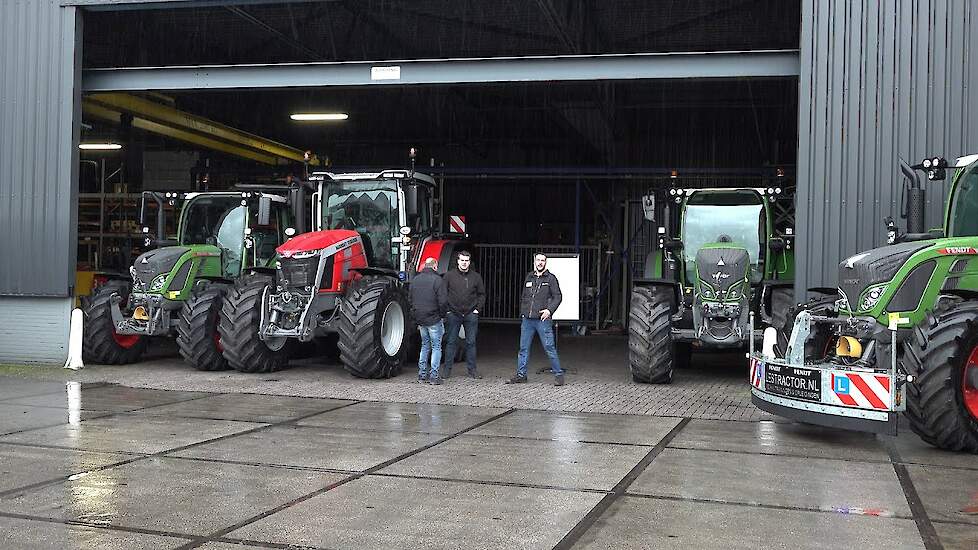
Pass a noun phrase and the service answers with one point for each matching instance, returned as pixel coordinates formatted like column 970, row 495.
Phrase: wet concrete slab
column 131, row 433
column 16, row 388
column 107, row 398
column 780, row 438
column 407, row 417
column 913, row 450
column 599, row 428
column 168, row 495
column 247, row 407
column 16, row 418
column 565, row 464
column 812, row 483
column 23, row 534
column 313, row 447
column 956, row 536
column 227, row 546
column 948, row 494
column 23, row 466
column 634, row 523
column 425, row 514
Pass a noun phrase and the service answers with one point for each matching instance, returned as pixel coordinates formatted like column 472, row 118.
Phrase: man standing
column 428, row 305
column 541, row 297
column 466, row 299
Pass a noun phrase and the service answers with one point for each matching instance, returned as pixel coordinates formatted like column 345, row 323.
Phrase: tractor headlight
column 307, row 254
column 736, row 291
column 871, row 297
column 706, row 291
column 157, row 283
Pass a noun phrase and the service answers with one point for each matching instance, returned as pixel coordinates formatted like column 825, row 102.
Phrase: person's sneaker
column 517, row 380
column 422, row 380
column 559, row 380
column 475, row 374
column 435, row 381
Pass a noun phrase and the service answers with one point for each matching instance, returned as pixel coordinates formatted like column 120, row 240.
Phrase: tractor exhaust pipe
column 913, row 209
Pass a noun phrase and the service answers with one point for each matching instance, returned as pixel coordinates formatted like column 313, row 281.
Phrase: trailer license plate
column 793, row 382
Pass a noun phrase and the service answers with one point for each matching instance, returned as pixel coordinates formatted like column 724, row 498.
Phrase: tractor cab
column 735, row 217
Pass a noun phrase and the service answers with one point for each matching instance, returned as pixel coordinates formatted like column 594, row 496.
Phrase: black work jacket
column 428, row 299
column 539, row 293
column 466, row 292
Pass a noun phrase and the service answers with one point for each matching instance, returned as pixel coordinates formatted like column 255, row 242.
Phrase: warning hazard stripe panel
column 866, row 391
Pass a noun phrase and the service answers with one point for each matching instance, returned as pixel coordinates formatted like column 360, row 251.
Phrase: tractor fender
column 674, row 285
column 442, row 249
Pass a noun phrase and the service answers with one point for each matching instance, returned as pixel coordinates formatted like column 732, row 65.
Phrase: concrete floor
column 105, row 466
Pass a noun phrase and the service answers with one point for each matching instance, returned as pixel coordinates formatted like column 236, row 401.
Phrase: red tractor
column 346, row 280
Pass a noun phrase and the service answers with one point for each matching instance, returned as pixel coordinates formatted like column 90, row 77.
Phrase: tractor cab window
column 202, row 218
column 423, row 223
column 963, row 217
column 230, row 239
column 266, row 238
column 368, row 207
column 735, row 214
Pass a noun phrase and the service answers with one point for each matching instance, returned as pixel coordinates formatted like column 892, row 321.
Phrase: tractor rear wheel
column 652, row 354
column 375, row 328
column 100, row 342
column 238, row 327
column 197, row 335
column 942, row 400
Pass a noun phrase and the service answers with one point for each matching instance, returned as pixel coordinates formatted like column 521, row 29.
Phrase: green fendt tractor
column 702, row 284
column 178, row 288
column 901, row 336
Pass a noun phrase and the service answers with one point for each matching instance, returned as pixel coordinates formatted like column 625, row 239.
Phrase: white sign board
column 567, row 269
column 392, row 72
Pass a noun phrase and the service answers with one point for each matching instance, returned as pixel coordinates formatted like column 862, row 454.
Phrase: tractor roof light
column 674, row 174
column 777, row 190
column 926, row 163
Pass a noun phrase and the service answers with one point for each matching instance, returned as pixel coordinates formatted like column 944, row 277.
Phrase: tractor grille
column 298, row 273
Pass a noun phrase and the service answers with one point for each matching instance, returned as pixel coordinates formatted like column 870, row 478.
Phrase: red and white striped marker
column 865, row 391
column 456, row 224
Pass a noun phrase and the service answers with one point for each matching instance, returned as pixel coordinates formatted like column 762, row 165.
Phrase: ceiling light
column 319, row 116
column 99, row 146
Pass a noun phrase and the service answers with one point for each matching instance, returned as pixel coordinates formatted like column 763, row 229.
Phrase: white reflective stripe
column 877, row 388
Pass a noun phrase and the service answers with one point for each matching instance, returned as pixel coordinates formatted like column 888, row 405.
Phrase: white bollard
column 770, row 339
column 74, row 361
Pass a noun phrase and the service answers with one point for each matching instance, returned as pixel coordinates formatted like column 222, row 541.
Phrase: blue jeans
column 430, row 343
column 471, row 324
column 545, row 329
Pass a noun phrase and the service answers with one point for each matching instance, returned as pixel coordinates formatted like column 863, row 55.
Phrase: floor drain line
column 924, row 526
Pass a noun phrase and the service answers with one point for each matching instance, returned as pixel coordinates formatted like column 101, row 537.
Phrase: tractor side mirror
column 776, row 244
column 673, row 245
column 264, row 210
column 648, row 207
column 165, row 242
column 411, row 202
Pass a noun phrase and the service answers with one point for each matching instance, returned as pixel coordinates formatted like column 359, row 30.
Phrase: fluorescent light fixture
column 99, row 146
column 319, row 116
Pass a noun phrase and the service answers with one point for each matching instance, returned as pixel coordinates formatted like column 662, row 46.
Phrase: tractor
column 177, row 289
column 702, row 284
column 346, row 280
column 901, row 335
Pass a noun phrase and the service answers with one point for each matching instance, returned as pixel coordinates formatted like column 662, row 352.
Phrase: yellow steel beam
column 94, row 109
column 163, row 114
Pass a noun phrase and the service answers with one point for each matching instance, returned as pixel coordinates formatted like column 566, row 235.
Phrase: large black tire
column 361, row 318
column 197, row 335
column 652, row 354
column 937, row 355
column 100, row 342
column 238, row 328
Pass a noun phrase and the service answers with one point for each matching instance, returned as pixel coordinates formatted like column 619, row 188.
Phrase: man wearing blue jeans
column 466, row 299
column 428, row 305
column 541, row 297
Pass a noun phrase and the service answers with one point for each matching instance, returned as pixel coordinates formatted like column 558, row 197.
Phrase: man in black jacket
column 541, row 297
column 428, row 305
column 466, row 299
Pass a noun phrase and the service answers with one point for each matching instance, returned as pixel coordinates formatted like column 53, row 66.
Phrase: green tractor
column 178, row 288
column 900, row 336
column 703, row 284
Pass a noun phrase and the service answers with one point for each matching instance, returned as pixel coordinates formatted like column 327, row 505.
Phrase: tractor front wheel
column 238, row 327
column 197, row 335
column 942, row 356
column 100, row 342
column 375, row 328
column 652, row 354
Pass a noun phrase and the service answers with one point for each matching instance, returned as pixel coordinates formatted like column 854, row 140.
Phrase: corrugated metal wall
column 38, row 158
column 34, row 330
column 879, row 80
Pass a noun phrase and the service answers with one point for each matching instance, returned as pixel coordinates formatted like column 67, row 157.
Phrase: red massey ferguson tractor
column 346, row 280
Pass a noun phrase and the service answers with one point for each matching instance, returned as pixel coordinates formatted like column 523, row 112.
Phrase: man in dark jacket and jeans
column 428, row 305
column 466, row 299
column 541, row 297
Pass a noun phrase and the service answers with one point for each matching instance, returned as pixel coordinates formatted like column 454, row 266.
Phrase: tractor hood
column 155, row 262
column 858, row 272
column 336, row 239
column 720, row 266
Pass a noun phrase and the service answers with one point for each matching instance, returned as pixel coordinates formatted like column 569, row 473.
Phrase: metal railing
column 504, row 266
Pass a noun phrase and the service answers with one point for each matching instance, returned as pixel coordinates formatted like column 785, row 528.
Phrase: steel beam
column 767, row 63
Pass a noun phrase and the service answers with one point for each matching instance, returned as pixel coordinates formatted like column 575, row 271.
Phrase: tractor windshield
column 368, row 207
column 735, row 214
column 217, row 220
column 963, row 216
